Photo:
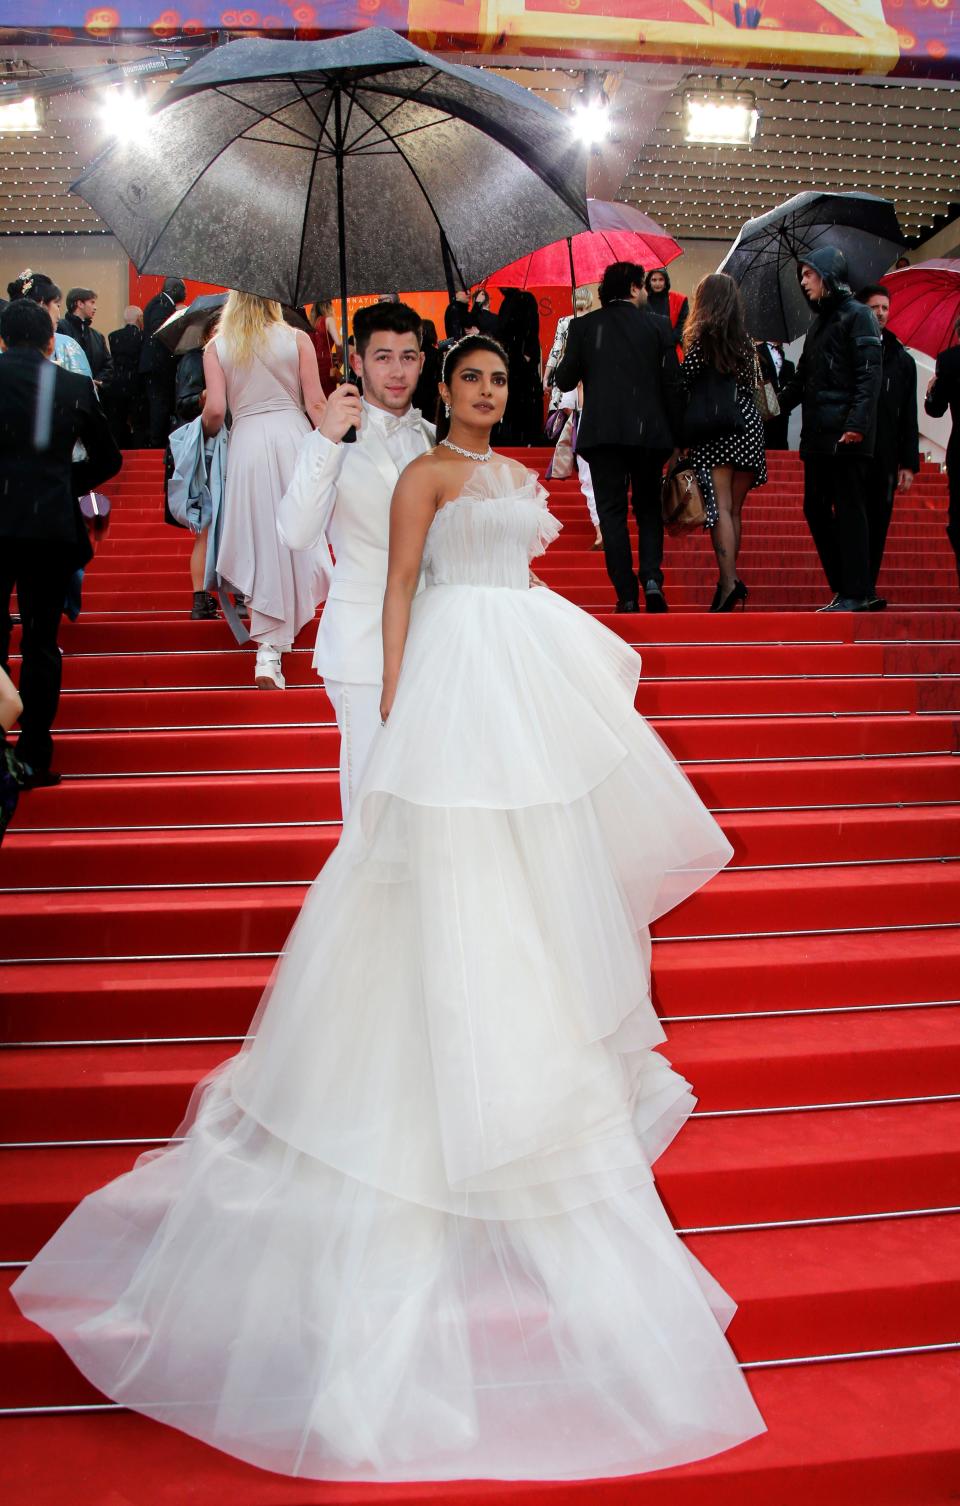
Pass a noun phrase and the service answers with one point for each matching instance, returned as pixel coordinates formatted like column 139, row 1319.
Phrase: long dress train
column 411, row 1232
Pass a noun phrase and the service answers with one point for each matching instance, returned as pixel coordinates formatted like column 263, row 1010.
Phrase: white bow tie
column 409, row 420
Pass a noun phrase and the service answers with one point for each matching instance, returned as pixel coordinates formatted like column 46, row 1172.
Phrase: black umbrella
column 184, row 329
column 297, row 170
column 763, row 259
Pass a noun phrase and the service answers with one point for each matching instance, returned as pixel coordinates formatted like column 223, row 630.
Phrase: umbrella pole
column 351, row 433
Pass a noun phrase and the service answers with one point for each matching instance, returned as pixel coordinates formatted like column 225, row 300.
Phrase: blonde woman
column 266, row 374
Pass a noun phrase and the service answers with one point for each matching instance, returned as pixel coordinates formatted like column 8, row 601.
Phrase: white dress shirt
column 403, row 436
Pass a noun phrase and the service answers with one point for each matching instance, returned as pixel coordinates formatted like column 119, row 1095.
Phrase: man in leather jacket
column 838, row 384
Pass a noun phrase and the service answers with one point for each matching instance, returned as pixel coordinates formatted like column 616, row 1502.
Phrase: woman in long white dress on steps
column 411, row 1232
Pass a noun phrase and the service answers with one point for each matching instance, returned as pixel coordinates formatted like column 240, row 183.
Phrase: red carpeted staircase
column 811, row 993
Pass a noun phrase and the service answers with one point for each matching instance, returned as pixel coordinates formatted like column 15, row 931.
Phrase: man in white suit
column 340, row 495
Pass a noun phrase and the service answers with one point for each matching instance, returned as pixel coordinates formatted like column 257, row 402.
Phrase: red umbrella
column 618, row 233
column 924, row 304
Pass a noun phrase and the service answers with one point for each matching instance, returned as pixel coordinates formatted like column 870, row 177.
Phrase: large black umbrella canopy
column 288, row 168
column 763, row 259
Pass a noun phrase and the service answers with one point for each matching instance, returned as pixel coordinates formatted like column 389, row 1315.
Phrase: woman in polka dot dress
column 733, row 461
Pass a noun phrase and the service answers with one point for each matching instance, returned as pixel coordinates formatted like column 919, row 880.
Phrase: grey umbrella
column 763, row 259
column 297, row 170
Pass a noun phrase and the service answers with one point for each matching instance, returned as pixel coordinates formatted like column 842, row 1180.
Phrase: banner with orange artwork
column 901, row 37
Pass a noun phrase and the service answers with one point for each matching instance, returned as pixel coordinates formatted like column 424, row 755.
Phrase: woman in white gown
column 411, row 1232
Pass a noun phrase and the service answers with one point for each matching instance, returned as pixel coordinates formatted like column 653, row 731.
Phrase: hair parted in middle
column 244, row 321
column 455, row 356
column 395, row 318
column 717, row 323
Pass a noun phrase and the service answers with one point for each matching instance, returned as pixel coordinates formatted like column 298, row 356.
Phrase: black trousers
column 835, row 490
column 625, row 475
column 881, row 486
column 160, row 400
column 953, row 515
column 41, row 574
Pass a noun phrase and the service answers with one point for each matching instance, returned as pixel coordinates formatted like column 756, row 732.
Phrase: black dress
column 742, row 448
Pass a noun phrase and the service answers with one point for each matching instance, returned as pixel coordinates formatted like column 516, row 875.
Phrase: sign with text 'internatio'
column 918, row 38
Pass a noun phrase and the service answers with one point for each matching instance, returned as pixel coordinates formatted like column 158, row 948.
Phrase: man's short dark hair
column 873, row 290
column 397, row 318
column 618, row 278
column 175, row 288
column 78, row 295
column 25, row 324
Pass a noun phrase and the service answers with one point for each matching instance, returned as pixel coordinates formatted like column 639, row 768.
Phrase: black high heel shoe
column 716, row 597
column 736, row 597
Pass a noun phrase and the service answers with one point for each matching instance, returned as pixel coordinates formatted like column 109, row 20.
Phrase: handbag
column 563, row 461
column 553, row 428
column 712, row 408
column 681, row 499
column 765, row 396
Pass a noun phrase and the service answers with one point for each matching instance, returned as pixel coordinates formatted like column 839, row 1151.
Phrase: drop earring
column 446, row 409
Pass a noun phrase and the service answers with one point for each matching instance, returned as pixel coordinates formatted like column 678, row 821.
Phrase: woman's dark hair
column 455, row 357
column 428, row 334
column 397, row 318
column 718, row 324
column 25, row 323
column 33, row 285
column 657, row 272
column 519, row 316
column 618, row 279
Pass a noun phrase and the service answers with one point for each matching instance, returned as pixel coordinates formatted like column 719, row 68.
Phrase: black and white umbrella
column 303, row 170
column 763, row 259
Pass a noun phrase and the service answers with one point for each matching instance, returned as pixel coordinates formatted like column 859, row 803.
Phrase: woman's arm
column 412, row 511
column 333, row 333
column 313, row 396
column 215, row 406
column 10, row 702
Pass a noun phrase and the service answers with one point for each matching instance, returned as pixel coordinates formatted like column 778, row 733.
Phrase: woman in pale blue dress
column 41, row 289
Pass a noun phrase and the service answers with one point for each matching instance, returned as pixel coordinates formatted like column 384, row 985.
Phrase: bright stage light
column 590, row 121
column 21, row 116
column 125, row 114
column 721, row 119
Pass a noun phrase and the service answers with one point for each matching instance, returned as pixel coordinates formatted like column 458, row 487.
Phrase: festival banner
column 919, row 38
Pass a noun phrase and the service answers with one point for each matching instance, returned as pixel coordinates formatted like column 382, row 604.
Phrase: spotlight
column 720, row 119
column 590, row 120
column 21, row 116
column 125, row 114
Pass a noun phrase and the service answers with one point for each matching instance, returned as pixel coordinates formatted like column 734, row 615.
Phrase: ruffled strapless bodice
column 489, row 534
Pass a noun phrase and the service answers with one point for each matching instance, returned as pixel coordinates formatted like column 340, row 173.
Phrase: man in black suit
column 632, row 411
column 43, row 412
column 78, row 323
column 896, row 454
column 126, row 396
column 157, row 365
column 943, row 392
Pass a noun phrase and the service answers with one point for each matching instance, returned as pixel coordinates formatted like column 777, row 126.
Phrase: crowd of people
column 651, row 381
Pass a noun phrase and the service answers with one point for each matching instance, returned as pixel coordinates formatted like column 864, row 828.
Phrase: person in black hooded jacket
column 838, row 384
column 669, row 305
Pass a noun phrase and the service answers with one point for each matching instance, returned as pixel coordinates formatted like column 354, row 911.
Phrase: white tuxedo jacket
column 340, row 496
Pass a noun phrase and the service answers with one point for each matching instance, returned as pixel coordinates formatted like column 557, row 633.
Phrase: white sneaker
column 268, row 674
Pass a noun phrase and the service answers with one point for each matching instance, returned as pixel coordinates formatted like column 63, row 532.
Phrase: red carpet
column 812, row 993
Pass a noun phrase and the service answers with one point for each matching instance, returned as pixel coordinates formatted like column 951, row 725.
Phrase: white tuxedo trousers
column 357, row 709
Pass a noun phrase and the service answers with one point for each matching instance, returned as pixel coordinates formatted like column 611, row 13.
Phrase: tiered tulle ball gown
column 412, row 1231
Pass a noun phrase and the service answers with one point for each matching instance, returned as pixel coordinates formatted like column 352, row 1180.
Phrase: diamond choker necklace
column 467, row 454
